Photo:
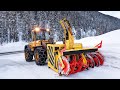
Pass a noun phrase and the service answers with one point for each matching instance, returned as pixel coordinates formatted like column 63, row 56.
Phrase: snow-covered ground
column 14, row 46
column 15, row 67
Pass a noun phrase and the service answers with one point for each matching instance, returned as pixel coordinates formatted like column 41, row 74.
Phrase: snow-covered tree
column 74, row 32
column 17, row 25
column 83, row 34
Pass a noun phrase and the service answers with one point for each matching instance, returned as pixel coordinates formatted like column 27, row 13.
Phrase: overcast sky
column 112, row 13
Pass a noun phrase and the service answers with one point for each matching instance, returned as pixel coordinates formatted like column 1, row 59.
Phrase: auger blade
column 76, row 65
column 100, row 57
column 80, row 65
column 90, row 60
column 66, row 69
column 72, row 64
column 96, row 60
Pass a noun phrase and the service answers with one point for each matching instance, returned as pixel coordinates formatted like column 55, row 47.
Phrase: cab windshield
column 43, row 35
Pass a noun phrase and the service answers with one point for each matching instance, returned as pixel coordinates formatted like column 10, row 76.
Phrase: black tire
column 28, row 54
column 40, row 56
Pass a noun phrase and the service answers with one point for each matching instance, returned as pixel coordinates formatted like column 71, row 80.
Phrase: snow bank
column 109, row 38
column 16, row 46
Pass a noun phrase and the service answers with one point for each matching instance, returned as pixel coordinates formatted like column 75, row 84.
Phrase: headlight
column 47, row 29
column 37, row 29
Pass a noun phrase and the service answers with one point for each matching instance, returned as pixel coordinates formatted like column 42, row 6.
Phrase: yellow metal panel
column 67, row 45
column 38, row 43
column 52, row 67
column 71, row 40
column 77, row 46
column 84, row 59
column 56, row 56
column 59, row 57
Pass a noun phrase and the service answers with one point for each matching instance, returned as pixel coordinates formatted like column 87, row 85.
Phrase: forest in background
column 17, row 25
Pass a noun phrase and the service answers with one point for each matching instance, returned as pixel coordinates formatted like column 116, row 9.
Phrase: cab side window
column 32, row 36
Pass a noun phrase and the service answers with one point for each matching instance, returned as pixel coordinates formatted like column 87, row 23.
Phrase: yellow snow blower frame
column 70, row 57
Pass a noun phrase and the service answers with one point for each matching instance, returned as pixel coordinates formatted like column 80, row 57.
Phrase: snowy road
column 15, row 67
column 8, row 53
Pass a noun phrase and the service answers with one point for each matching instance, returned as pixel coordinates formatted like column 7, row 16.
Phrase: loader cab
column 40, row 34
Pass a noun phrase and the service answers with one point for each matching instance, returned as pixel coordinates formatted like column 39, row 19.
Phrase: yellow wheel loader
column 66, row 58
column 38, row 47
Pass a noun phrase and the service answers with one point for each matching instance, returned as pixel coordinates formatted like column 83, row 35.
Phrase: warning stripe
column 50, row 55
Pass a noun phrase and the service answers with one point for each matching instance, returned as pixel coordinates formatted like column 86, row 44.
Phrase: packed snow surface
column 14, row 66
column 14, row 46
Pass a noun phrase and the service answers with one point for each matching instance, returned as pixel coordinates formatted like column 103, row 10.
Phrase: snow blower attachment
column 69, row 57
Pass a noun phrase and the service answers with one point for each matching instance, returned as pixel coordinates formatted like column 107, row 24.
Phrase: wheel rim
column 26, row 55
column 37, row 57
